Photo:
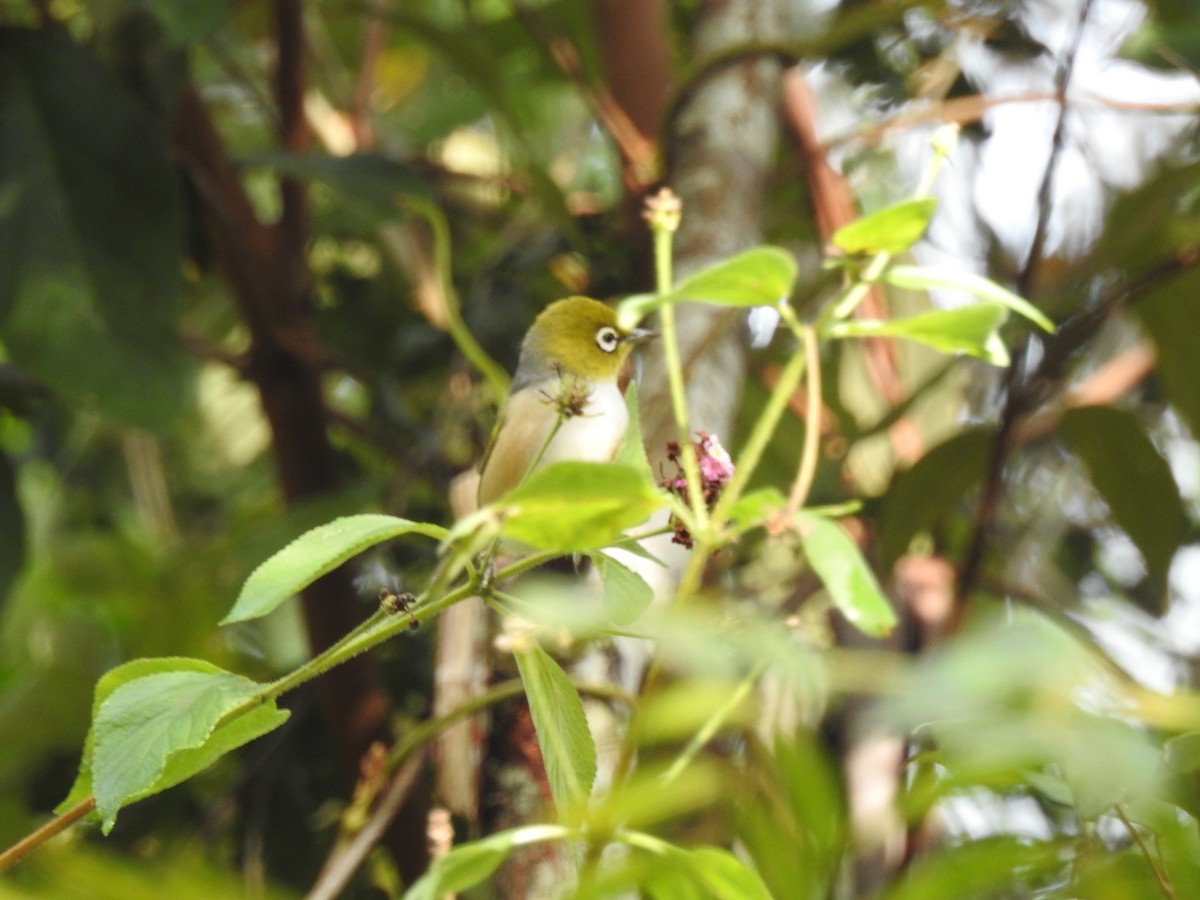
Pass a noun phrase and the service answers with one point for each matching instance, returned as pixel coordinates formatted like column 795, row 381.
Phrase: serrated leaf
column 109, row 682
column 851, row 584
column 91, row 233
column 762, row 276
column 626, row 593
column 156, row 723
column 568, row 750
column 927, row 278
column 574, row 507
column 316, row 553
column 973, row 330
column 890, row 230
column 1134, row 480
column 469, row 864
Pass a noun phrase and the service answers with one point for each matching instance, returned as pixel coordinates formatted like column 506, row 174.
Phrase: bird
column 567, row 372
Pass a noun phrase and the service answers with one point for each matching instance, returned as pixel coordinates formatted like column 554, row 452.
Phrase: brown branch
column 55, row 826
column 341, row 865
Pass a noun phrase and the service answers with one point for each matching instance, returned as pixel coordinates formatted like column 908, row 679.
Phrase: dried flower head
column 716, row 469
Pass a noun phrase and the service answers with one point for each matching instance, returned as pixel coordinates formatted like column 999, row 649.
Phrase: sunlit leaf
column 1134, row 480
column 973, row 330
column 568, row 750
column 890, row 230
column 725, row 876
column 845, row 574
column 927, row 278
column 762, row 276
column 314, row 554
column 578, row 506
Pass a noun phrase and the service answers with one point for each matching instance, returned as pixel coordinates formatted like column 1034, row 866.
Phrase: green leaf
column 469, row 864
column 973, row 330
column 157, row 722
column 314, row 554
column 762, row 276
column 186, row 22
column 578, row 506
column 626, row 594
column 91, row 234
column 890, row 230
column 986, row 867
column 925, row 278
column 846, row 575
column 726, row 876
column 1182, row 753
column 753, row 509
column 931, row 491
column 1171, row 314
column 562, row 730
column 1134, row 480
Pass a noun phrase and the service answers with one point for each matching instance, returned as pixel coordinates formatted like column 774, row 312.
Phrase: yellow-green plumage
column 576, row 341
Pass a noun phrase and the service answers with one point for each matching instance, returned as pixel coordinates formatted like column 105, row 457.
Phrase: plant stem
column 55, row 826
column 679, row 407
column 495, row 376
column 763, row 429
column 711, row 724
column 812, row 424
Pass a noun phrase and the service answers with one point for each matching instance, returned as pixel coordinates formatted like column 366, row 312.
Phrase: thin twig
column 57, row 825
column 341, row 866
column 1160, row 876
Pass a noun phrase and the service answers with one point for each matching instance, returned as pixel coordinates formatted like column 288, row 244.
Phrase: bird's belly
column 595, row 435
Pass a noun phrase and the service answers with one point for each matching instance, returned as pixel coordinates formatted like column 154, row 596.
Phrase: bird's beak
column 640, row 336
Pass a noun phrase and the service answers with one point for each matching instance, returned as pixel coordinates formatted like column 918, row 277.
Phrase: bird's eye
column 607, row 339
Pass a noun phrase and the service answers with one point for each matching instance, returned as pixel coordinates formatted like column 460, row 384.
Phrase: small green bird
column 570, row 360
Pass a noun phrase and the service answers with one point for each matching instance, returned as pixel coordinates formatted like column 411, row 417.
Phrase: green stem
column 943, row 143
column 764, row 428
column 812, row 424
column 670, row 342
column 712, row 724
column 495, row 376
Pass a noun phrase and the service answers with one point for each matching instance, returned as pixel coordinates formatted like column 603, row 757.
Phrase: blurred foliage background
column 233, row 237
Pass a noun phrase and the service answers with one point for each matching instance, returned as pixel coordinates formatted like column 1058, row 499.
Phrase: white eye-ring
column 607, row 339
